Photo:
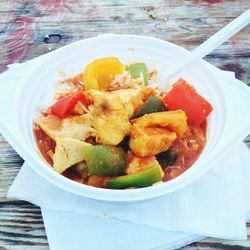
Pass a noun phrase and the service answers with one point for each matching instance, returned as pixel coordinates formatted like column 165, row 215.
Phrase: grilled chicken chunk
column 109, row 117
column 68, row 152
column 150, row 141
column 132, row 99
column 73, row 126
column 154, row 133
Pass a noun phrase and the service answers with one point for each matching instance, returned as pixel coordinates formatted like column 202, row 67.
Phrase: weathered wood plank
column 21, row 224
column 76, row 20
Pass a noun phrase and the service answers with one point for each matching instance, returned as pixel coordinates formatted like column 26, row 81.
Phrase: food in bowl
column 112, row 127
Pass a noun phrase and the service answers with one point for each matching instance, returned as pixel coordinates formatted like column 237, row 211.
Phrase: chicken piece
column 150, row 141
column 74, row 127
column 174, row 120
column 68, row 152
column 132, row 99
column 109, row 117
column 154, row 133
column 138, row 164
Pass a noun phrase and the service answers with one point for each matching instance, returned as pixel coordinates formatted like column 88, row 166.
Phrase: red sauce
column 71, row 174
column 189, row 148
column 44, row 143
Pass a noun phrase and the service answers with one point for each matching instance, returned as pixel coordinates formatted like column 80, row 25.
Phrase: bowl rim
column 111, row 195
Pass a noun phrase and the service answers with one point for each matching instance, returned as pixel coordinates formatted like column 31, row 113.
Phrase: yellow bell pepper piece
column 176, row 120
column 101, row 72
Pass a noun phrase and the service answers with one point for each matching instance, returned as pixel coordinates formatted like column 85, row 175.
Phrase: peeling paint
column 19, row 39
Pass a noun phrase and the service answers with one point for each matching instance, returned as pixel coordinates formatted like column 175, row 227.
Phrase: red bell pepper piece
column 63, row 106
column 184, row 96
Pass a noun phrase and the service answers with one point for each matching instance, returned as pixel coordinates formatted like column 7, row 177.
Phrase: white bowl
column 158, row 54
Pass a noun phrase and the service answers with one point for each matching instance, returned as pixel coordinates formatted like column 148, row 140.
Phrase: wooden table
column 31, row 28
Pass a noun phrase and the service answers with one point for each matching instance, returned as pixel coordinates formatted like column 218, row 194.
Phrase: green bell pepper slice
column 153, row 104
column 143, row 178
column 105, row 160
column 138, row 70
column 167, row 158
column 101, row 160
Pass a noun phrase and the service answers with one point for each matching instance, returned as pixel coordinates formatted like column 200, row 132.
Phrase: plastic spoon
column 212, row 43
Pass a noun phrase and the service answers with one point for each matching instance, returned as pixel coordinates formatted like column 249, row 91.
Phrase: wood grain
column 32, row 28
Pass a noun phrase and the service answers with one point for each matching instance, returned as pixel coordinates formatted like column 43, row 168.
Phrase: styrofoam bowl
column 157, row 54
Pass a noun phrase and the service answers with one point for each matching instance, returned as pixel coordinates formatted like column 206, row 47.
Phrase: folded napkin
column 215, row 205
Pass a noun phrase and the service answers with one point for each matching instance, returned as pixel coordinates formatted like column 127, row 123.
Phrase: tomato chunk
column 184, row 96
column 63, row 106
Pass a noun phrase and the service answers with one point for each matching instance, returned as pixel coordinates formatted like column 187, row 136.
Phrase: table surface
column 31, row 28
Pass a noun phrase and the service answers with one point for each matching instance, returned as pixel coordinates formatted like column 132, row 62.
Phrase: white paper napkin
column 212, row 206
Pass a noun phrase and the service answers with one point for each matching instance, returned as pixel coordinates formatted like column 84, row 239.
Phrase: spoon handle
column 212, row 43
